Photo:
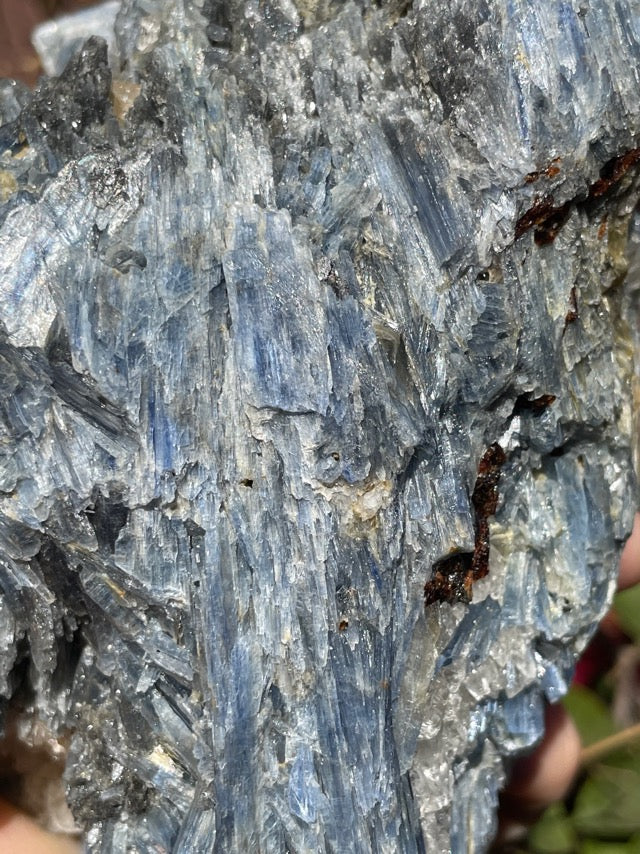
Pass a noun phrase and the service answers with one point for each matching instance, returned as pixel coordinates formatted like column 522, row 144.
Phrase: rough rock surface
column 315, row 327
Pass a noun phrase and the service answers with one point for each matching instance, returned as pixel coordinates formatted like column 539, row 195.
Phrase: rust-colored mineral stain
column 549, row 172
column 450, row 580
column 453, row 577
column 536, row 215
column 547, row 231
column 613, row 171
column 603, row 227
column 547, row 218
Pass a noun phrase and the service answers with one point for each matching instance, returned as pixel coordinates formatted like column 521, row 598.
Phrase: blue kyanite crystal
column 316, row 345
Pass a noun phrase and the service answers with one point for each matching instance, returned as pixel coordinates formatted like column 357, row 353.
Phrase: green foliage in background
column 627, row 608
column 602, row 816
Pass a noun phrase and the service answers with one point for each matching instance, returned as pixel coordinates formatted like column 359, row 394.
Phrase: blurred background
column 18, row 59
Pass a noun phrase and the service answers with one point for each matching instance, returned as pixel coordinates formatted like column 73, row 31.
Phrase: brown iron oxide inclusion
column 547, row 218
column 453, row 577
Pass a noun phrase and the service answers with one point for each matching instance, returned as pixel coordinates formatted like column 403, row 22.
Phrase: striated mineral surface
column 316, row 353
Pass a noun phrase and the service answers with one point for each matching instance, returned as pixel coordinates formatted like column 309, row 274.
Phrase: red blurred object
column 598, row 658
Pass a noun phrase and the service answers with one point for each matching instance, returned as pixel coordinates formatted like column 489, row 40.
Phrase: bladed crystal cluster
column 317, row 342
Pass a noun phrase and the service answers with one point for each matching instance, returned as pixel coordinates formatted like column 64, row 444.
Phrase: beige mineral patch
column 8, row 185
column 123, row 96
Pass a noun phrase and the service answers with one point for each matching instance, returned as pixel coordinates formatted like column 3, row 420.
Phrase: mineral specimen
column 317, row 351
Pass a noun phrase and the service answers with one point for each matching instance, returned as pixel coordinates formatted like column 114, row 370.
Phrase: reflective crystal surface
column 316, row 409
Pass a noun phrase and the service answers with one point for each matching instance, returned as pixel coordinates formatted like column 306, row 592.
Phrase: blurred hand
column 20, row 835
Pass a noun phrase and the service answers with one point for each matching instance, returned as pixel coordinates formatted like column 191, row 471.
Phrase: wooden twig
column 600, row 749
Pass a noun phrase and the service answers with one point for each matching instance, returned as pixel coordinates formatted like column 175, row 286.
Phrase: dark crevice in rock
column 60, row 577
column 69, row 650
column 535, row 405
column 80, row 393
column 108, row 516
column 19, row 678
column 219, row 25
column 56, row 348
